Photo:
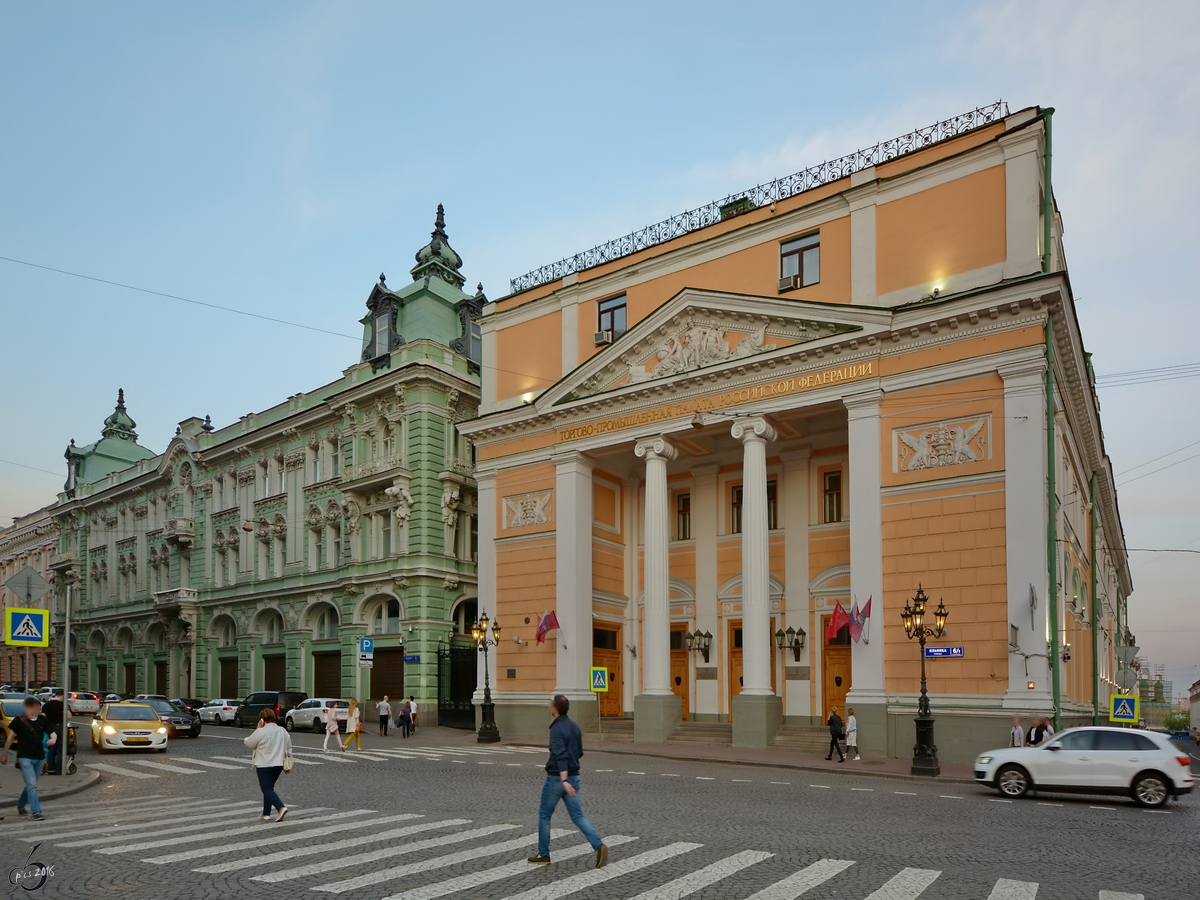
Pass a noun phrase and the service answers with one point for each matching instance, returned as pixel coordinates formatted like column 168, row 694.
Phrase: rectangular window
column 735, row 510
column 335, row 468
column 772, row 506
column 831, row 496
column 800, row 259
column 317, row 463
column 382, row 335
column 604, row 639
column 683, row 517
column 612, row 315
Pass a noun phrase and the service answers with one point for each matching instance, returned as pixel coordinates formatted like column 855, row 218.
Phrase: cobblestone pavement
column 428, row 818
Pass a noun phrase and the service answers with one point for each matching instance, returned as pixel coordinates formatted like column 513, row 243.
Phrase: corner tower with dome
column 253, row 556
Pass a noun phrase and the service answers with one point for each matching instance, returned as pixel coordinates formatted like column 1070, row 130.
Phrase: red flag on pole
column 839, row 618
column 548, row 623
column 862, row 621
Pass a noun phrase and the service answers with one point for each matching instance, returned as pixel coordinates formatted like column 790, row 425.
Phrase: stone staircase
column 805, row 738
column 718, row 733
column 617, row 729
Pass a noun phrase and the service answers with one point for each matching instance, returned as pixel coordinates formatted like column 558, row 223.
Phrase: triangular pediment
column 701, row 332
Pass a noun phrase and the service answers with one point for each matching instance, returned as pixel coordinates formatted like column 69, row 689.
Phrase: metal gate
column 456, row 684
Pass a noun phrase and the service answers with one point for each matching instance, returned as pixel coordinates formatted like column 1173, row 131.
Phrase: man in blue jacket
column 562, row 783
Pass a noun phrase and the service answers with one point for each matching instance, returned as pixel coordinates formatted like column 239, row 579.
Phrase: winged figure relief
column 962, row 438
column 942, row 445
column 921, row 452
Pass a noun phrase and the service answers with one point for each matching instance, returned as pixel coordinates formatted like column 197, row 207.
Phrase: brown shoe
column 601, row 856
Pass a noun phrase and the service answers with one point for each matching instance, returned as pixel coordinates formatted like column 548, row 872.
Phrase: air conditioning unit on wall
column 789, row 283
column 603, row 337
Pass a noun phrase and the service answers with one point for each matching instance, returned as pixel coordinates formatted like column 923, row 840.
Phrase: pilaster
column 573, row 580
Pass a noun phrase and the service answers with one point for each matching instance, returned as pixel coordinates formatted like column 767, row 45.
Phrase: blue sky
column 276, row 157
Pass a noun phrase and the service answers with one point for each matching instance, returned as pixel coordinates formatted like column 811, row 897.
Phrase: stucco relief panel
column 535, row 508
column 938, row 445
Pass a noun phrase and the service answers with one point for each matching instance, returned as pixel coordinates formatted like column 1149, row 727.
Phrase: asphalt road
column 435, row 816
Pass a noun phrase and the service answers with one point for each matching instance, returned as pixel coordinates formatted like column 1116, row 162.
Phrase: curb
column 92, row 780
column 798, row 767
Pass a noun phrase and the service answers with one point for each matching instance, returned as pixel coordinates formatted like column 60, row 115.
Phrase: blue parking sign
column 366, row 645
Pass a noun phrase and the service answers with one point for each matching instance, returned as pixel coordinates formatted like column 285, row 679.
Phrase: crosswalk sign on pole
column 599, row 680
column 26, row 627
column 1123, row 708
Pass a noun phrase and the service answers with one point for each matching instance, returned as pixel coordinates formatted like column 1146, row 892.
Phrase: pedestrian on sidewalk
column 353, row 727
column 54, row 710
column 29, row 730
column 1037, row 733
column 562, row 783
column 1016, row 737
column 852, row 734
column 331, row 730
column 271, row 746
column 385, row 713
column 406, row 719
column 835, row 734
column 412, row 711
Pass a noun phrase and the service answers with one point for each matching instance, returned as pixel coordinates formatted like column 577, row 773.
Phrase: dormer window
column 383, row 334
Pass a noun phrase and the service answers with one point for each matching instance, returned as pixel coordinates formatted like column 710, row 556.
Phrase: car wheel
column 195, row 734
column 1150, row 789
column 289, row 724
column 317, row 727
column 1013, row 781
column 237, row 721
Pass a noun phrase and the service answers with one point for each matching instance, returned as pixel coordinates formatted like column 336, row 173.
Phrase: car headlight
column 108, row 729
column 162, row 729
column 984, row 760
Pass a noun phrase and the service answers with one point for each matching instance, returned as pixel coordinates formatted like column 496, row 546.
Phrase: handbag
column 358, row 728
column 288, row 762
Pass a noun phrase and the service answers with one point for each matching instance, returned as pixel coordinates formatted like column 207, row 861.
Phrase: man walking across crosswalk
column 562, row 783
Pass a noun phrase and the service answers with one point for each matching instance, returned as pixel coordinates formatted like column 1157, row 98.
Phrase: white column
column 862, row 198
column 573, row 574
column 866, row 545
column 629, row 662
column 486, row 570
column 705, row 513
column 656, row 625
column 795, row 514
column 1025, row 528
column 756, row 565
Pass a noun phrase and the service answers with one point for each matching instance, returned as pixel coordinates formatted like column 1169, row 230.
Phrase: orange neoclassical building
column 698, row 441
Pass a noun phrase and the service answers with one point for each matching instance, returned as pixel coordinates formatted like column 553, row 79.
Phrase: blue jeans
column 267, row 776
column 552, row 793
column 54, row 757
column 31, row 771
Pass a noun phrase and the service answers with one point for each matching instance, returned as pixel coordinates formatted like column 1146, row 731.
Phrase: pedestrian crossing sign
column 1123, row 708
column 26, row 627
column 599, row 680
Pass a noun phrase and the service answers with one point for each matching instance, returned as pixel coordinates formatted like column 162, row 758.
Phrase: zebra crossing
column 423, row 856
column 137, row 767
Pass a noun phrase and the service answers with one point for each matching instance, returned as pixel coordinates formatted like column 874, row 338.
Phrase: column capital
column 753, row 428
column 656, row 447
column 573, row 459
column 863, row 401
column 1023, row 371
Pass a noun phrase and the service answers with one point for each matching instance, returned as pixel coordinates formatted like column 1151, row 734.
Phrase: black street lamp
column 925, row 758
column 699, row 642
column 488, row 732
column 792, row 639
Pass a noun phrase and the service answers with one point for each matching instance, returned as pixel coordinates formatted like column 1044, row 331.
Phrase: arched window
column 226, row 634
column 387, row 617
column 273, row 629
column 464, row 615
column 327, row 624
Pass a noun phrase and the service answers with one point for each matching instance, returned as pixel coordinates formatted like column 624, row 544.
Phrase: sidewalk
column 50, row 787
column 709, row 753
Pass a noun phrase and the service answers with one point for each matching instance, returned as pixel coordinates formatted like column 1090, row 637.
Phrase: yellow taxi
column 128, row 726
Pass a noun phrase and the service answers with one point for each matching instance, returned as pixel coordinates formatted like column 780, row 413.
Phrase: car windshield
column 164, row 706
column 133, row 713
column 13, row 708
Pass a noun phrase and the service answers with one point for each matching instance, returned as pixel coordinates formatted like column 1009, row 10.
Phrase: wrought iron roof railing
column 761, row 195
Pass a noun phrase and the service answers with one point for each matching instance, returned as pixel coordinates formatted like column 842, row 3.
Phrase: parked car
column 144, row 697
column 110, row 697
column 84, row 702
column 219, row 712
column 280, row 701
column 1142, row 764
column 47, row 693
column 10, row 708
column 315, row 712
column 179, row 722
column 126, row 725
column 191, row 704
column 13, row 695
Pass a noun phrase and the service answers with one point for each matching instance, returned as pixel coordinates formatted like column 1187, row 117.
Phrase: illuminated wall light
column 527, row 397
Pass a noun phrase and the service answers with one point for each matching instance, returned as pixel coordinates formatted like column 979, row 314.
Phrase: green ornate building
column 254, row 556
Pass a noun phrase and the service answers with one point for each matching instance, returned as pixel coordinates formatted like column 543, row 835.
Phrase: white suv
column 315, row 712
column 1141, row 764
column 219, row 712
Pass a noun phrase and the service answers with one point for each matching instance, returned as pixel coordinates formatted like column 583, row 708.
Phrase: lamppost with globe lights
column 488, row 732
column 925, row 758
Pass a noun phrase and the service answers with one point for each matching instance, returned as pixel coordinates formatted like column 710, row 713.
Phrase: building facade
column 29, row 541
column 254, row 556
column 836, row 389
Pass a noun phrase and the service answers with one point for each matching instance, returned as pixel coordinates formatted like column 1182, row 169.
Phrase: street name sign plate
column 599, row 680
column 944, row 653
column 1123, row 708
column 26, row 627
column 412, row 657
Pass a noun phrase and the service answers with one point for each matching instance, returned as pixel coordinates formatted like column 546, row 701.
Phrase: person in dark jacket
column 562, row 783
column 835, row 734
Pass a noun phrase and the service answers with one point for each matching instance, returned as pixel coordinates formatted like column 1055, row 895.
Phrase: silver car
column 219, row 712
column 315, row 712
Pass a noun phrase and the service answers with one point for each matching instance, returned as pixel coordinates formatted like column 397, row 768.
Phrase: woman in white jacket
column 270, row 744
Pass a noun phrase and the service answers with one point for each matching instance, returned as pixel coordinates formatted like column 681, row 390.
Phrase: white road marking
column 635, row 773
column 117, row 770
column 1118, row 895
column 704, row 778
column 372, row 857
column 1007, row 889
column 1109, row 808
column 906, row 884
column 1161, row 812
column 487, row 763
column 604, row 770
column 823, row 787
column 487, row 876
column 135, row 808
column 79, row 829
column 780, row 782
column 246, row 762
column 669, row 775
column 804, row 880
column 573, row 883
column 438, row 862
column 997, row 800
column 687, row 885
column 286, row 836
column 305, row 815
column 512, row 764
column 193, row 761
column 862, row 789
column 332, row 846
column 1049, row 804
column 164, row 767
column 241, row 815
column 945, row 797
column 742, row 780
column 323, row 755
column 906, row 793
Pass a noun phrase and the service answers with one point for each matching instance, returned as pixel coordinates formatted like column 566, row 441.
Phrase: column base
column 655, row 717
column 756, row 720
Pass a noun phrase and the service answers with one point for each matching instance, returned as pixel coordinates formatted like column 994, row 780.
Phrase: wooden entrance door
column 735, row 661
column 606, row 651
column 229, row 677
column 131, row 679
column 327, row 674
column 835, row 670
column 680, row 682
column 161, row 677
column 387, row 676
column 275, row 673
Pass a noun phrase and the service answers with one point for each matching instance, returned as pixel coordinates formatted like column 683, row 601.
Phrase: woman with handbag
column 353, row 727
column 331, row 729
column 272, row 757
